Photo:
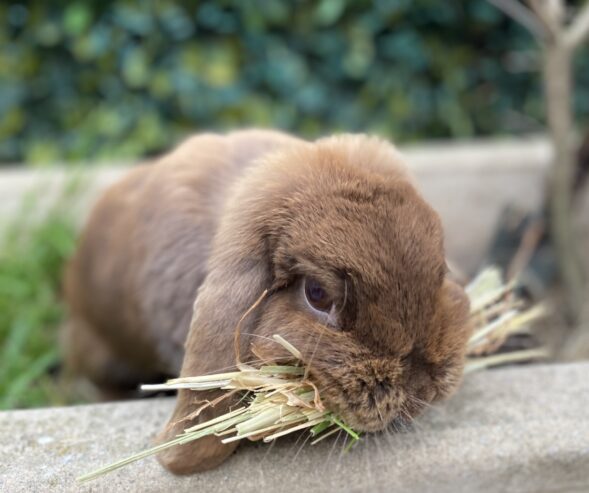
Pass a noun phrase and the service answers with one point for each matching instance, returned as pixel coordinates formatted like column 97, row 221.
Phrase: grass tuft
column 33, row 251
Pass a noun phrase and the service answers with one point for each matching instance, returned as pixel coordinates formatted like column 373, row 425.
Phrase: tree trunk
column 558, row 87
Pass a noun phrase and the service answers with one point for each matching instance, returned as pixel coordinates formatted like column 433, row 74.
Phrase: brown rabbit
column 350, row 253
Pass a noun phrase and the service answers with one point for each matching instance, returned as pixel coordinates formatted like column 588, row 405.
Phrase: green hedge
column 120, row 79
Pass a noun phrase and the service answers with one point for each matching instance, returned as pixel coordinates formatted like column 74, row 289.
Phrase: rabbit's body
column 132, row 284
column 350, row 254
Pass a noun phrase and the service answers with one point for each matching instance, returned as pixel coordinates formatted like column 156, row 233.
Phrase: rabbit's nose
column 381, row 388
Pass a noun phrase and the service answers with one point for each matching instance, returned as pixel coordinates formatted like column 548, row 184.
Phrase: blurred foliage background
column 120, row 79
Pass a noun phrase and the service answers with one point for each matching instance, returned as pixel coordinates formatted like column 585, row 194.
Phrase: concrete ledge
column 468, row 183
column 512, row 430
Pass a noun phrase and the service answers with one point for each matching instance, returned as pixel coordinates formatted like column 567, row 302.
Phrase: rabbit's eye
column 316, row 296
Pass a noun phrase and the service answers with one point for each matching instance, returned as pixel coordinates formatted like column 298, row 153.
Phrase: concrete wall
column 468, row 183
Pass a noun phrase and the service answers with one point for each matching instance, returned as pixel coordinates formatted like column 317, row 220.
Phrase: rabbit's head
column 353, row 261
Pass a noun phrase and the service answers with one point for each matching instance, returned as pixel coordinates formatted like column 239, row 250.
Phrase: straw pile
column 497, row 313
column 279, row 400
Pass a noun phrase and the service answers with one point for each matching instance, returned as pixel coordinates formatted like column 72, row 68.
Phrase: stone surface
column 511, row 430
column 44, row 186
column 480, row 177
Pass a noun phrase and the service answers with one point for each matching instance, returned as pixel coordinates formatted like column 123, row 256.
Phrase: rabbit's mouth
column 373, row 394
column 368, row 395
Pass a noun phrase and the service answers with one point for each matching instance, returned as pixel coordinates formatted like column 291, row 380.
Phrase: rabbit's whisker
column 308, row 365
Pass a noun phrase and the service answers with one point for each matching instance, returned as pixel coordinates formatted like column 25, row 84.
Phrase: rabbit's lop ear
column 239, row 271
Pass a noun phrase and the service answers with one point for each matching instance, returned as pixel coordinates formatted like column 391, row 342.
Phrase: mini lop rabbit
column 350, row 254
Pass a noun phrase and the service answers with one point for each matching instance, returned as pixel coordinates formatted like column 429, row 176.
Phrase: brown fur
column 231, row 216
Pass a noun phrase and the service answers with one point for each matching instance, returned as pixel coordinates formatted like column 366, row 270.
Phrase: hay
column 279, row 399
column 497, row 313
